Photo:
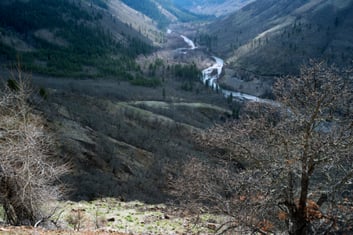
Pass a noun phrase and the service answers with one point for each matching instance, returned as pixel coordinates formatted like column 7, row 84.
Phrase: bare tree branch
column 29, row 176
column 292, row 154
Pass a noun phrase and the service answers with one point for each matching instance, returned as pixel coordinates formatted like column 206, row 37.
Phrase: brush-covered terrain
column 120, row 91
column 123, row 114
column 123, row 111
column 216, row 8
column 276, row 37
column 65, row 38
column 268, row 39
column 112, row 216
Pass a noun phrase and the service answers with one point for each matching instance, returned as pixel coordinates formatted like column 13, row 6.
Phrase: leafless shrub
column 297, row 159
column 28, row 174
column 222, row 189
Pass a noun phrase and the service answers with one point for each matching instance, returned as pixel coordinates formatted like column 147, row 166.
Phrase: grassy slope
column 180, row 11
column 163, row 12
column 119, row 148
column 111, row 216
column 126, row 142
column 136, row 21
column 121, row 137
column 271, row 37
column 217, row 8
column 150, row 9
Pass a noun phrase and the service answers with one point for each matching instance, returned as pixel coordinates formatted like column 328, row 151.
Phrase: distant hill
column 212, row 7
column 150, row 9
column 86, row 38
column 163, row 12
column 181, row 13
column 273, row 37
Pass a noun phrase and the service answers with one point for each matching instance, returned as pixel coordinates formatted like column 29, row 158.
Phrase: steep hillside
column 150, row 9
column 181, row 13
column 163, row 12
column 135, row 20
column 126, row 141
column 66, row 38
column 271, row 37
column 127, row 124
column 213, row 7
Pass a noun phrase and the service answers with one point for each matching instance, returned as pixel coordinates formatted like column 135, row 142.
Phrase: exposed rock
column 212, row 226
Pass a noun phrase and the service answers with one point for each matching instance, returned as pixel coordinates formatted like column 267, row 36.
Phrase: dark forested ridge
column 65, row 38
column 187, row 3
column 163, row 12
column 149, row 8
column 181, row 12
column 212, row 7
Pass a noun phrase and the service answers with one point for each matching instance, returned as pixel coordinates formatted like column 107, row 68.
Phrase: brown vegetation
column 297, row 158
column 26, row 230
column 28, row 173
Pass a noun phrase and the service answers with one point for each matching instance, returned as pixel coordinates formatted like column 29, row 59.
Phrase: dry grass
column 23, row 230
column 111, row 216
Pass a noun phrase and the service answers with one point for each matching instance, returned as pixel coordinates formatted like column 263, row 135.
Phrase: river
column 211, row 74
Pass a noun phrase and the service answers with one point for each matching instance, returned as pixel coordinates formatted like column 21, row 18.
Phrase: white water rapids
column 189, row 42
column 211, row 74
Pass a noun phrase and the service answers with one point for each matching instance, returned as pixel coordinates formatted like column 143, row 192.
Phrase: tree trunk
column 16, row 212
column 298, row 218
column 299, row 226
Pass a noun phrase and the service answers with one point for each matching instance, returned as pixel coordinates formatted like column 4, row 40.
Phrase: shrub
column 28, row 173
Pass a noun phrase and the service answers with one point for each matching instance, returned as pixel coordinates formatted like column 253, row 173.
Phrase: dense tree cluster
column 27, row 16
column 186, row 72
column 149, row 8
column 87, row 43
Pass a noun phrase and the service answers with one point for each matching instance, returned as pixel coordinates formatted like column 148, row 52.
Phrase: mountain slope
column 123, row 141
column 135, row 20
column 212, row 7
column 65, row 38
column 275, row 37
column 179, row 12
column 163, row 12
column 150, row 9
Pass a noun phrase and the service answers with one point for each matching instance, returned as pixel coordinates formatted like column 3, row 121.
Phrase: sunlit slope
column 212, row 7
column 276, row 37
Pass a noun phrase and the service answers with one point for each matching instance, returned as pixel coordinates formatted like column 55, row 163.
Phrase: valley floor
column 124, row 142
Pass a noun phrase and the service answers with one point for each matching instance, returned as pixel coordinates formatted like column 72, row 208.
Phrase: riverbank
column 246, row 83
column 215, row 74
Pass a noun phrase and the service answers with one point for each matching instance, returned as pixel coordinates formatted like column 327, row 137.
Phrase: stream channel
column 211, row 74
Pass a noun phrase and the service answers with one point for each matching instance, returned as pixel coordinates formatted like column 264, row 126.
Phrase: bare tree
column 297, row 158
column 28, row 172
